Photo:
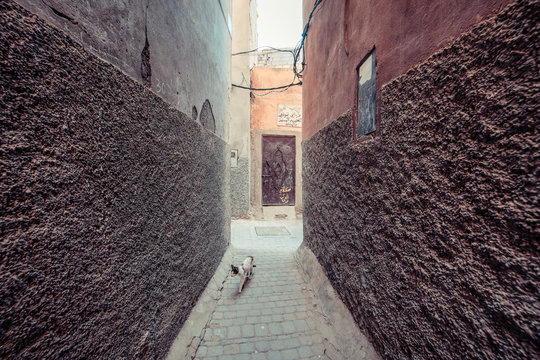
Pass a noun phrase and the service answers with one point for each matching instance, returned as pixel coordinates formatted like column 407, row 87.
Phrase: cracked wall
column 112, row 201
column 185, row 55
column 429, row 231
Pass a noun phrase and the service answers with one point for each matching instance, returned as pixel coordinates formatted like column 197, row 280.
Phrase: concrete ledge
column 186, row 343
column 350, row 343
column 279, row 213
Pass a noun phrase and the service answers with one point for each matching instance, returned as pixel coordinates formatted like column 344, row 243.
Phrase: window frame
column 371, row 134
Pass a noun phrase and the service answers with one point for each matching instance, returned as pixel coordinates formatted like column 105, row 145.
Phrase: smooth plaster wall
column 429, row 231
column 264, row 118
column 189, row 45
column 404, row 32
column 111, row 203
column 264, row 105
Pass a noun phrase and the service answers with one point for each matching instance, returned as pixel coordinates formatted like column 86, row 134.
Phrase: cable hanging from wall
column 295, row 54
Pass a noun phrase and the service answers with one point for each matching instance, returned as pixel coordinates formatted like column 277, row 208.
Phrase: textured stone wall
column 111, row 203
column 240, row 188
column 181, row 49
column 429, row 231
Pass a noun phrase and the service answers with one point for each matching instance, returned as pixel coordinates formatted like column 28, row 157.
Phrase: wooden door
column 278, row 170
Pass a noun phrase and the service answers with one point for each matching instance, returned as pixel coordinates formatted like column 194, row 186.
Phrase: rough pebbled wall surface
column 240, row 188
column 429, row 231
column 111, row 203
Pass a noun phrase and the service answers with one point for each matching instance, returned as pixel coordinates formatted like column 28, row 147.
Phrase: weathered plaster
column 264, row 121
column 187, row 42
column 264, row 107
column 244, row 23
column 405, row 33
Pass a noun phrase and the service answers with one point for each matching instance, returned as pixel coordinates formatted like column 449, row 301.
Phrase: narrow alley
column 380, row 160
column 278, row 315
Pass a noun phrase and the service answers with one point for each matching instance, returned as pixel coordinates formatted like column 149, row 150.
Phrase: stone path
column 270, row 318
column 277, row 315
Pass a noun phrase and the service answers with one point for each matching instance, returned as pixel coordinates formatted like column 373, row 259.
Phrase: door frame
column 293, row 137
column 256, row 169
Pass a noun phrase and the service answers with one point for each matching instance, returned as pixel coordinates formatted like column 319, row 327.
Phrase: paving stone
column 291, row 316
column 231, row 349
column 253, row 320
column 229, row 315
column 274, row 355
column 259, row 356
column 301, row 315
column 202, row 351
column 217, row 315
column 290, row 354
column 207, row 334
column 317, row 339
column 234, row 332
column 227, row 322
column 219, row 332
column 305, row 351
column 227, row 357
column 300, row 325
column 278, row 345
column 247, row 348
column 238, row 321
column 288, row 327
column 267, row 311
column 262, row 345
column 248, row 331
column 235, row 357
column 261, row 330
column 318, row 349
column 214, row 351
column 275, row 329
column 254, row 312
column 278, row 311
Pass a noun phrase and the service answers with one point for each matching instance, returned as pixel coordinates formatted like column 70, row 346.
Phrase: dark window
column 366, row 101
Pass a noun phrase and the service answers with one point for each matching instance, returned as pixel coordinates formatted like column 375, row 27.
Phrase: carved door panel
column 278, row 170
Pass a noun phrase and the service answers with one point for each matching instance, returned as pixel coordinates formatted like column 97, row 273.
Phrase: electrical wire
column 300, row 46
column 266, row 89
column 295, row 53
column 264, row 47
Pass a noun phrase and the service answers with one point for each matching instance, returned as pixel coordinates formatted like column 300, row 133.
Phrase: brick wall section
column 429, row 232
column 111, row 203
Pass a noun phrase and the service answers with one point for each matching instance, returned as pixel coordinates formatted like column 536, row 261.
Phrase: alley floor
column 278, row 315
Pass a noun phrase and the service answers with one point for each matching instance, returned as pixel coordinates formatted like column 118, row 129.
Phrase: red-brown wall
column 429, row 230
column 404, row 32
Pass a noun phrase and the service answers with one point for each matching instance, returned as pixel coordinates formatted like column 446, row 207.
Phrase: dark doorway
column 278, row 170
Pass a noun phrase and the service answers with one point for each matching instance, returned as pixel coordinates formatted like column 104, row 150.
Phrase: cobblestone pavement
column 276, row 316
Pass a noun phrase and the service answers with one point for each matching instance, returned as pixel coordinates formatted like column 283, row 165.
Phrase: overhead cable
column 295, row 53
